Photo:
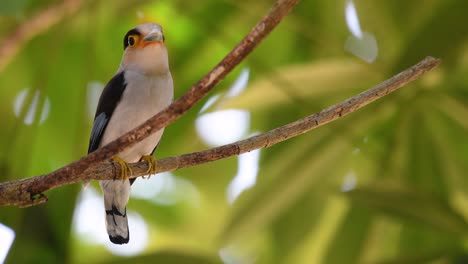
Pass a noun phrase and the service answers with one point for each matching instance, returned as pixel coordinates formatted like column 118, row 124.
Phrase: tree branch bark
column 18, row 192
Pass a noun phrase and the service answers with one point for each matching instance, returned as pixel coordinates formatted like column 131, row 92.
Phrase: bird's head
column 144, row 50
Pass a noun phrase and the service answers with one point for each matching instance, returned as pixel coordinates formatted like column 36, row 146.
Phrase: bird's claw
column 125, row 169
column 152, row 165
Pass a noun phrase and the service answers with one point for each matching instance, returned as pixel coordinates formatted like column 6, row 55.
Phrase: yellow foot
column 125, row 169
column 152, row 165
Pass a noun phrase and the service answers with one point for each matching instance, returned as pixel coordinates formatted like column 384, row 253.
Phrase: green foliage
column 407, row 154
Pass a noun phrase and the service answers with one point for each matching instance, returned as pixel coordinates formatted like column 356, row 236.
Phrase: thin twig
column 12, row 44
column 28, row 193
column 10, row 191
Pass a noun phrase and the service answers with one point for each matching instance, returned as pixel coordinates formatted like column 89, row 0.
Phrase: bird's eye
column 132, row 40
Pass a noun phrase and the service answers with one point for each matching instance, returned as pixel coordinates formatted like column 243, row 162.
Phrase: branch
column 10, row 192
column 12, row 44
column 29, row 193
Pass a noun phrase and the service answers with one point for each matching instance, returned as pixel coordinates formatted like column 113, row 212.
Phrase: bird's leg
column 124, row 167
column 152, row 165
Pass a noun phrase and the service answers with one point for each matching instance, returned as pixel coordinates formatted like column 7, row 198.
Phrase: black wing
column 108, row 101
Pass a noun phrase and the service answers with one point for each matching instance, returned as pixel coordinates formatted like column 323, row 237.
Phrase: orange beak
column 152, row 38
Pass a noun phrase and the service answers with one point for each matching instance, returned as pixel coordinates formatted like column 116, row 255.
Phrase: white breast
column 144, row 96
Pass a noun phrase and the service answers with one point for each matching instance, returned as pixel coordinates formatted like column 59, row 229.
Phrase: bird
column 141, row 87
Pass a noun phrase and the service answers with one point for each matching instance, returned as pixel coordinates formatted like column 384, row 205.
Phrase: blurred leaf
column 411, row 204
column 453, row 152
column 294, row 225
column 169, row 257
column 423, row 166
column 12, row 7
column 440, row 256
column 455, row 109
column 311, row 158
column 269, row 202
column 307, row 82
column 349, row 240
column 445, row 20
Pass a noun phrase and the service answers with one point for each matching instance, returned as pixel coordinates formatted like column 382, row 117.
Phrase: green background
column 407, row 153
